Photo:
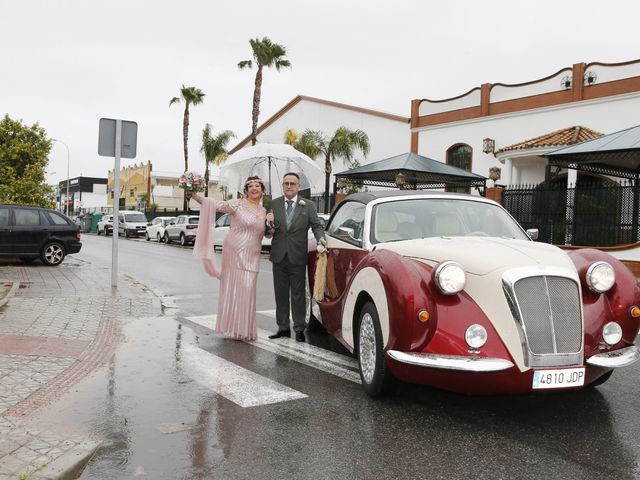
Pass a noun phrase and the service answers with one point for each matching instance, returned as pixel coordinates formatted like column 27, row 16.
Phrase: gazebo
column 413, row 171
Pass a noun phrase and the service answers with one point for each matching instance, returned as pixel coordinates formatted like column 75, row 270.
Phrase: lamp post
column 67, row 195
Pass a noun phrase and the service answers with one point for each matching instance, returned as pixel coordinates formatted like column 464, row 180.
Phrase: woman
column 238, row 273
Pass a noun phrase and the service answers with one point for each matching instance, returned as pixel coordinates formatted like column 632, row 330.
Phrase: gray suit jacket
column 293, row 241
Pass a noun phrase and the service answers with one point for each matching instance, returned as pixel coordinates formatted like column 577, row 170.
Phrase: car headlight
column 450, row 278
column 611, row 333
column 475, row 336
column 600, row 277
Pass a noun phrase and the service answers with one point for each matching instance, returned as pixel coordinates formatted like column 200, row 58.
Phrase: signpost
column 116, row 138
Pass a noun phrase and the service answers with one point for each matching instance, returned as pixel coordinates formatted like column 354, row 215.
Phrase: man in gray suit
column 289, row 221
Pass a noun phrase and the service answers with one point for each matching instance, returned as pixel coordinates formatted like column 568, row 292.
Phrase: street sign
column 107, row 138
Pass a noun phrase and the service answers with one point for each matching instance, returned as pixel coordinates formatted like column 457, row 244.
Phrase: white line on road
column 241, row 386
column 310, row 355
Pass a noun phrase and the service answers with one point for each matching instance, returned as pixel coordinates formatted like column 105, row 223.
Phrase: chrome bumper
column 451, row 362
column 617, row 358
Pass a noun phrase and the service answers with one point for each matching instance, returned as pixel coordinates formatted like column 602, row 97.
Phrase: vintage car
column 448, row 290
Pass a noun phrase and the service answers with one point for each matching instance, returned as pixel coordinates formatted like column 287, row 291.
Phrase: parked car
column 448, row 290
column 224, row 223
column 155, row 228
column 105, row 225
column 184, row 228
column 33, row 232
column 132, row 223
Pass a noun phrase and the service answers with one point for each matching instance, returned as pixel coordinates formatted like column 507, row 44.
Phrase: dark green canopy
column 417, row 172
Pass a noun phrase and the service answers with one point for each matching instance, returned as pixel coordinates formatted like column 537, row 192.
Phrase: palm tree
column 214, row 150
column 343, row 144
column 265, row 54
column 290, row 137
column 190, row 96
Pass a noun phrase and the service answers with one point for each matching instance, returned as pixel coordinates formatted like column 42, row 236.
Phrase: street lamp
column 67, row 195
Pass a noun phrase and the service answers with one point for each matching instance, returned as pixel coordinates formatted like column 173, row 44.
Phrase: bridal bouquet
column 192, row 182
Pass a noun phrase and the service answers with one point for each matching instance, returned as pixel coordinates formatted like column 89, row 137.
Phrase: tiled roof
column 559, row 138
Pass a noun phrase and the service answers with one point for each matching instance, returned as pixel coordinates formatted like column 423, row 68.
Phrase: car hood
column 481, row 255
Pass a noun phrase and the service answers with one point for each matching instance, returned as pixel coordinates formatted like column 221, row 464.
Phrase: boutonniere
column 301, row 202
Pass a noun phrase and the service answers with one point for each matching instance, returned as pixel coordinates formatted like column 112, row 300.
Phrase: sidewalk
column 57, row 325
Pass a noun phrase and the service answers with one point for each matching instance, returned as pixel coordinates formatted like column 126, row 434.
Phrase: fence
column 589, row 214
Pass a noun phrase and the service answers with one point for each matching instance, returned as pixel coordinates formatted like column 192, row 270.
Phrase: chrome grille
column 548, row 309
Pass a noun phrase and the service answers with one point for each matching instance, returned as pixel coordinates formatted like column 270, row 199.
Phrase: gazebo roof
column 558, row 138
column 616, row 154
column 423, row 172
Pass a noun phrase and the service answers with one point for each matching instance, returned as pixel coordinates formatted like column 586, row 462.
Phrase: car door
column 6, row 246
column 174, row 228
column 30, row 231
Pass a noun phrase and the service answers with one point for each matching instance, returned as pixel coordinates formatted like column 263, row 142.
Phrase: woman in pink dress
column 241, row 247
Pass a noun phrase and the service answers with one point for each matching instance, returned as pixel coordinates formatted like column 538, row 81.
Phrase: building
column 511, row 126
column 85, row 194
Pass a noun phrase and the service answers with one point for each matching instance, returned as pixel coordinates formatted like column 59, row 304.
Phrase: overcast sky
column 66, row 64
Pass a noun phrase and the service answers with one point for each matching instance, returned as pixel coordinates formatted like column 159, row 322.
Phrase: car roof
column 366, row 197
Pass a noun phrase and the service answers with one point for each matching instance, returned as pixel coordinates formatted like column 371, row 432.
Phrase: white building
column 466, row 130
column 388, row 134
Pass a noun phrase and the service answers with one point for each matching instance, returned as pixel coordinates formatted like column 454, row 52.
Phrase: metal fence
column 589, row 214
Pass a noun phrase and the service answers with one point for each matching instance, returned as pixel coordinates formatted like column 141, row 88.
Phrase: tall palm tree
column 190, row 96
column 265, row 54
column 343, row 144
column 214, row 150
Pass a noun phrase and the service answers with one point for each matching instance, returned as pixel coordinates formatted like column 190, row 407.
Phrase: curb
column 70, row 465
column 11, row 293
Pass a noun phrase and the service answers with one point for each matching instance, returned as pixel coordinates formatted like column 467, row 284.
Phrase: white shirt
column 293, row 205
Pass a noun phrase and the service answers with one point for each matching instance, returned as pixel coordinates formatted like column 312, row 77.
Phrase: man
column 288, row 222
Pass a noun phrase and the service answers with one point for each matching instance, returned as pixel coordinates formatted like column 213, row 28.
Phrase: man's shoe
column 281, row 333
column 300, row 337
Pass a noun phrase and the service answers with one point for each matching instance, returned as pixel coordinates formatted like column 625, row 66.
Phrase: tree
column 291, row 137
column 23, row 159
column 265, row 54
column 214, row 150
column 190, row 96
column 343, row 144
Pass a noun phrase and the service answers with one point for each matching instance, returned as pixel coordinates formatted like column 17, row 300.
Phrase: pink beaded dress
column 238, row 273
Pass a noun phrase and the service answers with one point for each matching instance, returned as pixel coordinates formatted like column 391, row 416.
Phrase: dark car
column 33, row 232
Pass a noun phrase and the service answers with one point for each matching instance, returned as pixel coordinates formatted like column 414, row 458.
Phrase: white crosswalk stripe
column 241, row 386
column 310, row 355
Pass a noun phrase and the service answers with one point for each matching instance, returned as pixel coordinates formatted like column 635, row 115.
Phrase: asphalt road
column 177, row 401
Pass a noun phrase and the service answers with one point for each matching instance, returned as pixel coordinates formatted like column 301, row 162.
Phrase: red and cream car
column 448, row 290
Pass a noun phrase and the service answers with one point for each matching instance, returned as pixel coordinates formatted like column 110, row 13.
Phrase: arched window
column 460, row 156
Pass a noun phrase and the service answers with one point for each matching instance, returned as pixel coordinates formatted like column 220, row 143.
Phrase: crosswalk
column 249, row 389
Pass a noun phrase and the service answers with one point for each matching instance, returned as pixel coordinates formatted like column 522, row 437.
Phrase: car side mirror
column 347, row 232
column 533, row 233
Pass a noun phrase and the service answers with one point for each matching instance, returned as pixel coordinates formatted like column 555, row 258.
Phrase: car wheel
column 602, row 379
column 98, row 231
column 146, row 236
column 374, row 372
column 167, row 240
column 126, row 234
column 52, row 254
column 183, row 240
column 159, row 238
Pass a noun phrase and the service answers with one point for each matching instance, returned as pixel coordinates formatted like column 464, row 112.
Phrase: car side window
column 348, row 223
column 57, row 219
column 180, row 220
column 26, row 217
column 4, row 217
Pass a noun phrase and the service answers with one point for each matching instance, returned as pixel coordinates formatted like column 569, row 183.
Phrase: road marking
column 241, row 386
column 301, row 352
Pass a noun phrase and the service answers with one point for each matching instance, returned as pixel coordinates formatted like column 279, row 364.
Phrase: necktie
column 289, row 211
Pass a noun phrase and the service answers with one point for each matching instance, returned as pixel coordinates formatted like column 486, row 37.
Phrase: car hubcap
column 53, row 254
column 367, row 347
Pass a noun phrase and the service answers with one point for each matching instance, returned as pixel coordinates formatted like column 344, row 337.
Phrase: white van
column 132, row 223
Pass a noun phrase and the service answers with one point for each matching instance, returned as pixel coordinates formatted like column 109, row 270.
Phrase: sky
column 68, row 63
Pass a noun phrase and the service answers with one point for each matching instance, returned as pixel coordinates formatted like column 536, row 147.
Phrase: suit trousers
column 289, row 287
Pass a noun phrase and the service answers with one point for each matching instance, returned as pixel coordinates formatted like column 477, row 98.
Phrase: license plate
column 561, row 378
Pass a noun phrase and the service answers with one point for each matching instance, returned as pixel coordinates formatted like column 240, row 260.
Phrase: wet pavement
column 158, row 395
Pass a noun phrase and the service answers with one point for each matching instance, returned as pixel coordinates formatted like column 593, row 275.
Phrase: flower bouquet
column 192, row 182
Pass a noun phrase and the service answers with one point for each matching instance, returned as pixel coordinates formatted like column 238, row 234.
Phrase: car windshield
column 441, row 217
column 135, row 217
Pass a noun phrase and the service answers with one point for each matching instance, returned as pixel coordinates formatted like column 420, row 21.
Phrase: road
column 177, row 401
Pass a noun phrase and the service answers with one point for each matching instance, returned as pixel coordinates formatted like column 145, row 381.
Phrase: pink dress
column 240, row 263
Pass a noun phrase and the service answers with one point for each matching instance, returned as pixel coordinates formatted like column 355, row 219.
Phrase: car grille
column 548, row 310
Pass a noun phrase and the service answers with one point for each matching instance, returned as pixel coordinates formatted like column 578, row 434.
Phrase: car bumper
column 451, row 362
column 617, row 358
column 74, row 247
